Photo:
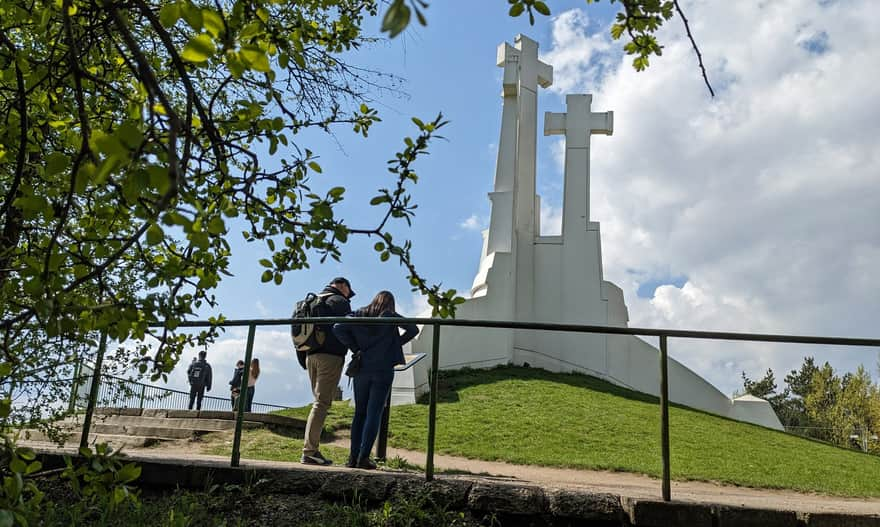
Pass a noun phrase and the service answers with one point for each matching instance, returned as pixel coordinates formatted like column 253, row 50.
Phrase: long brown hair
column 382, row 303
column 255, row 368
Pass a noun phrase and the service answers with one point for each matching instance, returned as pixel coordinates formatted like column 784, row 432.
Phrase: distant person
column 235, row 383
column 381, row 349
column 324, row 366
column 253, row 374
column 199, row 376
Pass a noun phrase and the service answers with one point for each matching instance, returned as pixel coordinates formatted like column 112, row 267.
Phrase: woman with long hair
column 380, row 348
column 253, row 373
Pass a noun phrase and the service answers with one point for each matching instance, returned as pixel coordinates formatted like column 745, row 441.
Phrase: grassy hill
column 530, row 416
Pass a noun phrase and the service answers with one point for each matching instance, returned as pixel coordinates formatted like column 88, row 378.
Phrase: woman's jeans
column 249, row 399
column 370, row 393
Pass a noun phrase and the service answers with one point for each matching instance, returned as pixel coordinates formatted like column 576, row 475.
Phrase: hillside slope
column 530, row 416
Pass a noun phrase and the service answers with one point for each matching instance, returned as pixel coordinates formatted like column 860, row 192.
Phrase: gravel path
column 638, row 486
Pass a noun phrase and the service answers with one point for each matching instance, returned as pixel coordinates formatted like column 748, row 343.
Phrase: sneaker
column 315, row 459
column 351, row 463
column 366, row 463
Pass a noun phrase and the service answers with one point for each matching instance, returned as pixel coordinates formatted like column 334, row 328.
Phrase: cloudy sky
column 757, row 210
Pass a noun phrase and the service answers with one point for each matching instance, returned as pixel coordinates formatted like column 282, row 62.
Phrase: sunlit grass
column 533, row 417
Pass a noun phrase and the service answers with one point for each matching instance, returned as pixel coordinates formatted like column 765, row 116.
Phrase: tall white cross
column 513, row 199
column 578, row 123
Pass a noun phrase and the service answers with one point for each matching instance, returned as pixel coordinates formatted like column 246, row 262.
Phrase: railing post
column 143, row 394
column 664, row 417
column 382, row 444
column 93, row 391
column 432, row 403
column 242, row 395
column 76, row 371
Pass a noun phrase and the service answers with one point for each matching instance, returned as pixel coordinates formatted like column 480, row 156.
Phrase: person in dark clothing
column 235, row 383
column 325, row 367
column 381, row 349
column 199, row 376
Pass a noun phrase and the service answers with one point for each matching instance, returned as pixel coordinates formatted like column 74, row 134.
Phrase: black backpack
column 308, row 338
column 197, row 374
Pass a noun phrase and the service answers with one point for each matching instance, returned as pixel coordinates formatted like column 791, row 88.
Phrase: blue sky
column 755, row 211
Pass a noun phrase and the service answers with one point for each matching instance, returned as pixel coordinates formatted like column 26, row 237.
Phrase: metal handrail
column 436, row 324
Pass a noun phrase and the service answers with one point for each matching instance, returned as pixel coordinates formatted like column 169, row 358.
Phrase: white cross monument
column 526, row 277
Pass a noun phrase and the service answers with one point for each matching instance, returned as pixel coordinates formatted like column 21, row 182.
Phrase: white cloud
column 417, row 306
column 577, row 57
column 474, row 223
column 765, row 197
column 551, row 220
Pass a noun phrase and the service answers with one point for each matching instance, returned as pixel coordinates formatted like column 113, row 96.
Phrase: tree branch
column 687, row 28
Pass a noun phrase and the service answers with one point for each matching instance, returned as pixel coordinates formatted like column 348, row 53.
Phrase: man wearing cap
column 325, row 368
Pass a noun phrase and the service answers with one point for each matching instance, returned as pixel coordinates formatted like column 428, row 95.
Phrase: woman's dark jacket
column 381, row 347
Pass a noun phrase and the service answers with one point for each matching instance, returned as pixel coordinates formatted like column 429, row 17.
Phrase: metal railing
column 436, row 324
column 126, row 393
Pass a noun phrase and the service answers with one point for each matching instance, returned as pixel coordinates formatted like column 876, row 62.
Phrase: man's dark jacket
column 335, row 305
column 206, row 373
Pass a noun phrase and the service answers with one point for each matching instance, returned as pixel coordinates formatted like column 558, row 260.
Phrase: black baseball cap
column 343, row 280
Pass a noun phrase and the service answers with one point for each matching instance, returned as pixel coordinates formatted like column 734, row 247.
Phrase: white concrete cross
column 578, row 123
column 508, row 57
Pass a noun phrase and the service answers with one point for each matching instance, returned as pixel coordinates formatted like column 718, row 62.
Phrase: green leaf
column 265, row 262
column 35, row 203
column 516, row 9
column 192, row 14
column 155, row 235
column 33, row 467
column 396, row 18
column 56, row 162
column 315, row 166
column 130, row 135
column 255, row 58
column 212, row 22
column 379, row 246
column 199, row 49
column 169, row 14
column 542, row 8
column 17, row 466
column 216, row 225
column 267, row 275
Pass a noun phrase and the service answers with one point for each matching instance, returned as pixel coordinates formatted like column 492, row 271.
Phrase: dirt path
column 638, row 486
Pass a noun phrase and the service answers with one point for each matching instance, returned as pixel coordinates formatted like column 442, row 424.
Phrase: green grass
column 266, row 444
column 532, row 417
column 338, row 417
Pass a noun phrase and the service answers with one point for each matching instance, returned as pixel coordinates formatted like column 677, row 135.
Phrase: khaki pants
column 324, row 373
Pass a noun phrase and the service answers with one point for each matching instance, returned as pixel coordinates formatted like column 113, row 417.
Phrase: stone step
column 292, row 423
column 200, row 425
column 143, row 431
column 40, row 440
